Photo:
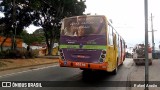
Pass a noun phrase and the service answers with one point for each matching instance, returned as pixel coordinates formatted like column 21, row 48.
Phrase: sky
column 127, row 17
column 31, row 28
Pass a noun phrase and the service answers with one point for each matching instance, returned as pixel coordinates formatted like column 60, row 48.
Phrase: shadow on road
column 88, row 75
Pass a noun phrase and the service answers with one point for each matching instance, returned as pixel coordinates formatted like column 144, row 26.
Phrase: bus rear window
column 79, row 26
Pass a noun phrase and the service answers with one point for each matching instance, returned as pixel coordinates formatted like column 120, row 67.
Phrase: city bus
column 90, row 42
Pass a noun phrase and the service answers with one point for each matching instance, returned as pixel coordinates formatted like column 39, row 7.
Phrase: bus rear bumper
column 94, row 66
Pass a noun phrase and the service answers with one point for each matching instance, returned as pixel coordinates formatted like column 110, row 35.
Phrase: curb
column 27, row 66
column 49, row 57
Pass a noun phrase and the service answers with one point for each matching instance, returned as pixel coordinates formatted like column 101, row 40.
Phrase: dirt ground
column 6, row 64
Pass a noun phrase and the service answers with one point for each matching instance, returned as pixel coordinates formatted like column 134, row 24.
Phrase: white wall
column 37, row 47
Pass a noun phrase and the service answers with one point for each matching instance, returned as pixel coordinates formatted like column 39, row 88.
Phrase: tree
column 39, row 33
column 31, row 38
column 1, row 29
column 49, row 13
column 16, row 17
column 45, row 13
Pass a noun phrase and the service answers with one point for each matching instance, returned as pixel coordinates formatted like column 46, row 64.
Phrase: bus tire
column 150, row 63
column 137, row 63
column 122, row 62
column 82, row 68
column 116, row 69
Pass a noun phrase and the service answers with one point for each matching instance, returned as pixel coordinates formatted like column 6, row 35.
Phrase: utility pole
column 152, row 33
column 159, row 45
column 146, row 43
column 152, row 30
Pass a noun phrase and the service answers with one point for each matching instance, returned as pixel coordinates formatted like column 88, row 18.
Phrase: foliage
column 39, row 33
column 49, row 13
column 2, row 54
column 23, row 18
column 45, row 13
column 31, row 38
column 10, row 54
column 16, row 17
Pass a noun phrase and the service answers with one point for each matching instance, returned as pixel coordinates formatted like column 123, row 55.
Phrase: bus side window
column 123, row 46
column 117, row 40
column 114, row 39
column 110, row 38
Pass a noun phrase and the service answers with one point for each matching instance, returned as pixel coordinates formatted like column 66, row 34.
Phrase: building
column 7, row 44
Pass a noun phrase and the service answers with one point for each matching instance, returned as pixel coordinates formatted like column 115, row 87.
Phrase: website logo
column 6, row 84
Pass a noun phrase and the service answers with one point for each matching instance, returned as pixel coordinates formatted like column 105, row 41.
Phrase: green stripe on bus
column 84, row 46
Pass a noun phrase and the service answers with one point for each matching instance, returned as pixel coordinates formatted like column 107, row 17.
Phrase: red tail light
column 61, row 54
column 60, row 50
column 102, row 56
column 104, row 52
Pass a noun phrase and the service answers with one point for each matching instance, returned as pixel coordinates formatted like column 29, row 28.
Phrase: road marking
column 27, row 71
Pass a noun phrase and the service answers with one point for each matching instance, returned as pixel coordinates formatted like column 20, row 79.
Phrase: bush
column 29, row 54
column 36, row 52
column 2, row 54
column 10, row 54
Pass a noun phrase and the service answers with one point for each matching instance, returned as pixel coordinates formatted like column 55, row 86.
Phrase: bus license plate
column 80, row 64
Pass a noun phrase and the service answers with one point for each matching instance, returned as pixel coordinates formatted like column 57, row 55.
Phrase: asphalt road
column 94, row 80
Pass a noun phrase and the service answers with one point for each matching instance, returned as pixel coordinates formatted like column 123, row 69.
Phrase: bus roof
column 86, row 16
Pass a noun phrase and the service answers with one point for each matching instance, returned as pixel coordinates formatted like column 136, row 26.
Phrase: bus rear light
column 102, row 56
column 62, row 57
column 101, row 60
column 61, row 54
column 103, row 52
column 60, row 50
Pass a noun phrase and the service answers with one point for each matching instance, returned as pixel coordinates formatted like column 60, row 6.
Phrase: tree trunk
column 13, row 39
column 50, row 49
column 12, row 42
column 49, row 45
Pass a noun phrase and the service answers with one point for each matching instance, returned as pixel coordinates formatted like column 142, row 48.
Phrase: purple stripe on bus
column 82, row 55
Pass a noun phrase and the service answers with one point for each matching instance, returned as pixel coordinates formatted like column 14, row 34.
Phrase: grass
column 8, row 61
column 2, row 64
column 16, row 63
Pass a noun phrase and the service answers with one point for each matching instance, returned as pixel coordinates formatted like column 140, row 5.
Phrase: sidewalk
column 49, row 57
column 138, row 74
column 7, row 64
